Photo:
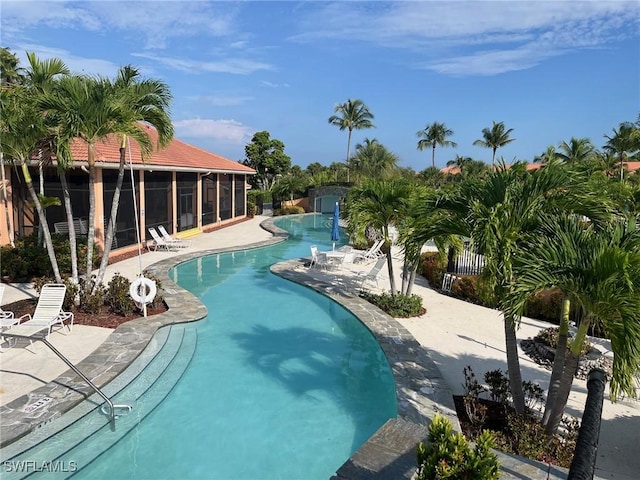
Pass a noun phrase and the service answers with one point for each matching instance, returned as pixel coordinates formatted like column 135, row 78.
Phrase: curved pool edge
column 118, row 351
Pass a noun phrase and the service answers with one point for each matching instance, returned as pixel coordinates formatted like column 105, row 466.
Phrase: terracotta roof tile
column 176, row 154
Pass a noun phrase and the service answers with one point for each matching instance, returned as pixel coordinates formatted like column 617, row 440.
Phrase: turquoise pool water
column 285, row 383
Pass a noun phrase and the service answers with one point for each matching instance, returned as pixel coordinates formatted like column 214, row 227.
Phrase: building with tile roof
column 182, row 187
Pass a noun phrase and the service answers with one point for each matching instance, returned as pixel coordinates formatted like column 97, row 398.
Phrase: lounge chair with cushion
column 48, row 312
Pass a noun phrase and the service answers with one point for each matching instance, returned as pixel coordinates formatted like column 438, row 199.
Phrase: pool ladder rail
column 110, row 408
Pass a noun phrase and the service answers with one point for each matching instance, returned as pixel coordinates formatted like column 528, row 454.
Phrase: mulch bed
column 104, row 319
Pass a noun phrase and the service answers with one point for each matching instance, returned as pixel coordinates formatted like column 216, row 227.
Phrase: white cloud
column 155, row 22
column 237, row 66
column 222, row 100
column 274, row 85
column 455, row 37
column 90, row 66
column 229, row 131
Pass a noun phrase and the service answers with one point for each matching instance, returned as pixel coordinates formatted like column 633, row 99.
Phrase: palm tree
column 352, row 115
column 433, row 135
column 373, row 160
column 23, row 130
column 41, row 77
column 576, row 151
column 624, row 142
column 379, row 204
column 91, row 108
column 145, row 101
column 497, row 212
column 599, row 269
column 494, row 138
column 549, row 155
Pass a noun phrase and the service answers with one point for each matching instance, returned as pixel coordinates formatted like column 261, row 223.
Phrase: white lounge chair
column 371, row 254
column 48, row 312
column 314, row 256
column 372, row 275
column 6, row 318
column 178, row 242
column 160, row 243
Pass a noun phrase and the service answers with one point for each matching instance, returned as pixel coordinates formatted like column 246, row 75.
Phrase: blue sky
column 548, row 69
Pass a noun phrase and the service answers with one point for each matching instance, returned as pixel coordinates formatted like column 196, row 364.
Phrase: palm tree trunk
column 348, row 146
column 91, row 230
column 513, row 365
column 412, row 278
column 72, row 230
column 392, row 280
column 558, row 361
column 493, row 158
column 41, row 189
column 112, row 219
column 564, row 389
column 433, row 157
column 6, row 202
column 43, row 223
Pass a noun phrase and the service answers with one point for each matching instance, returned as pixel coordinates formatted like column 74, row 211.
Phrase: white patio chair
column 167, row 237
column 372, row 275
column 48, row 312
column 371, row 254
column 160, row 243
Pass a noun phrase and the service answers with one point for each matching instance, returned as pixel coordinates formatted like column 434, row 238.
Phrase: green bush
column 398, row 305
column 70, row 293
column 258, row 198
column 449, row 455
column 158, row 299
column 117, row 297
column 549, row 336
column 29, row 260
column 289, row 210
column 433, row 268
column 545, row 306
column 467, row 287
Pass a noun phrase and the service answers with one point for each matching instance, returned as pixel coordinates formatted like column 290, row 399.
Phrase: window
column 209, row 199
column 187, row 195
column 226, row 204
column 239, row 194
column 125, row 225
column 158, row 201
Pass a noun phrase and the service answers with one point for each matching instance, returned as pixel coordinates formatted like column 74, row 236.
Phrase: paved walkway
column 455, row 333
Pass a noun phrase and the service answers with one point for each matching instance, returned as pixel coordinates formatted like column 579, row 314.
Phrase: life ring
column 142, row 290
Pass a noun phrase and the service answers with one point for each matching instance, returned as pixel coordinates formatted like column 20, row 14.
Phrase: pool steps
column 144, row 385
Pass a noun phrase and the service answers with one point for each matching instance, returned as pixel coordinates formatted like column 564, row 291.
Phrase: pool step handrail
column 111, row 413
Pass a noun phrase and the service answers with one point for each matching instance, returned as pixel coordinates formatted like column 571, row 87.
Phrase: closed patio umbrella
column 335, row 230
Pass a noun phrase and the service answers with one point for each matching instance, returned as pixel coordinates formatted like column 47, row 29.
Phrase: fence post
column 584, row 457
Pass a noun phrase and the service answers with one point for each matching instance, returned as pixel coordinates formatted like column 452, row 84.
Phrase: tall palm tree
column 624, row 142
column 41, row 78
column 495, row 137
column 23, row 129
column 576, row 151
column 351, row 115
column 144, row 100
column 433, row 135
column 599, row 269
column 379, row 204
column 90, row 109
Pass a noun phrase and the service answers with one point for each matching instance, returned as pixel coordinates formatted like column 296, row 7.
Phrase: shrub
column 29, row 259
column 117, row 296
column 449, row 455
column 545, row 305
column 289, row 210
column 398, row 305
column 549, row 336
column 433, row 268
column 467, row 288
column 498, row 383
column 70, row 293
column 158, row 299
column 91, row 302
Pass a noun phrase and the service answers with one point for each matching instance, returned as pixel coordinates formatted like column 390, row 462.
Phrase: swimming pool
column 285, row 383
